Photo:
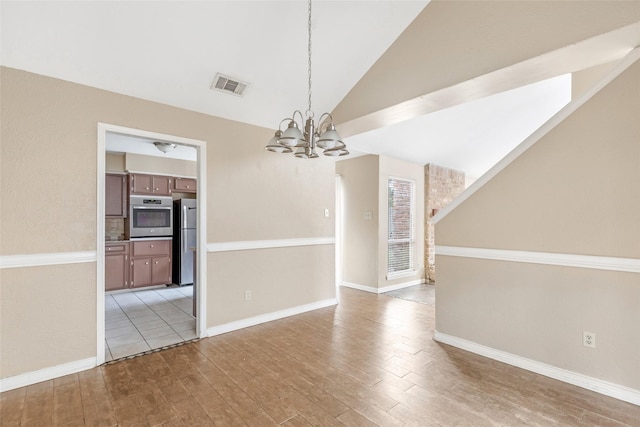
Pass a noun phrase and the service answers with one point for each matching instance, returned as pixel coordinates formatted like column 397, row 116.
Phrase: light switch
column 326, row 213
column 368, row 215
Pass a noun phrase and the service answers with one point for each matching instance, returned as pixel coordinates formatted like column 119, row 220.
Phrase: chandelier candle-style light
column 328, row 140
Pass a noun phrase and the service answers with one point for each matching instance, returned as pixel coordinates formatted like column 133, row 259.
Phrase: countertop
column 138, row 239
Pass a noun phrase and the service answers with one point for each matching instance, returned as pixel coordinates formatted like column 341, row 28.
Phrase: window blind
column 401, row 239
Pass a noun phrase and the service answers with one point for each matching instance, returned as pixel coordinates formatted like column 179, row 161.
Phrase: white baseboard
column 46, row 374
column 268, row 317
column 360, row 287
column 400, row 286
column 594, row 384
column 384, row 288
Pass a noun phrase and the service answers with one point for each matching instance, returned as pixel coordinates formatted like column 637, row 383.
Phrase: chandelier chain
column 305, row 144
column 309, row 111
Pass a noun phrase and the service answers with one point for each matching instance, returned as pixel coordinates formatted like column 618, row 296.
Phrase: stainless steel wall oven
column 150, row 216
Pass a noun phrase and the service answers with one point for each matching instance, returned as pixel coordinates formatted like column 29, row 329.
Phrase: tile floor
column 424, row 294
column 144, row 320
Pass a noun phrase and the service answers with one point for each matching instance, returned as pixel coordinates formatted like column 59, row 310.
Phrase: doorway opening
column 339, row 224
column 154, row 311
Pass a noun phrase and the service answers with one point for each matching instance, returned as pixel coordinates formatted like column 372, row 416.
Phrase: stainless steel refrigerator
column 184, row 240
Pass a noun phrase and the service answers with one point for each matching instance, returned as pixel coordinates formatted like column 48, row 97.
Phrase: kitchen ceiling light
column 328, row 139
column 165, row 147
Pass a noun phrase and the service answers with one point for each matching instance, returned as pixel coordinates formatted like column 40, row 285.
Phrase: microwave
column 150, row 216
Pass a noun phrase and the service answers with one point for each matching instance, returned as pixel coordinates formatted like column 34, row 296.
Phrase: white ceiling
column 119, row 143
column 474, row 136
column 170, row 51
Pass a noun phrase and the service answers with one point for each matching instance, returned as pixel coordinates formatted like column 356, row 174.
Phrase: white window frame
column 412, row 239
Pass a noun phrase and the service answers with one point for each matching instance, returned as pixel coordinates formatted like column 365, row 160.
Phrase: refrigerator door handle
column 184, row 216
column 183, row 238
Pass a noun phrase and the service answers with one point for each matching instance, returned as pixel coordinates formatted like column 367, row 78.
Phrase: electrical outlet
column 588, row 339
column 247, row 295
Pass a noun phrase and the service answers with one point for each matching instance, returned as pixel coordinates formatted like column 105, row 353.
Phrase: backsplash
column 114, row 229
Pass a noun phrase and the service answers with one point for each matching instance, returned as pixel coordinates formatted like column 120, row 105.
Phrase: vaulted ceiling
column 410, row 79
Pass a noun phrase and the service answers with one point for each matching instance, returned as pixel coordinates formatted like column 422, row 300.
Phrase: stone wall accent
column 441, row 186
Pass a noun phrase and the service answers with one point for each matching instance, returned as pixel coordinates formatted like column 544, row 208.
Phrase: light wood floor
column 371, row 361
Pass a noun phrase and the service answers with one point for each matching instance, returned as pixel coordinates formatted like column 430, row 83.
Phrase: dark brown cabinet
column 115, row 196
column 184, row 185
column 150, row 184
column 150, row 263
column 116, row 266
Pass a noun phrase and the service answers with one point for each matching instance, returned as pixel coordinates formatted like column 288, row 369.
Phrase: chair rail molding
column 629, row 265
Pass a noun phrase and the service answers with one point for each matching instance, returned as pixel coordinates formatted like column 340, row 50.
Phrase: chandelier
column 324, row 137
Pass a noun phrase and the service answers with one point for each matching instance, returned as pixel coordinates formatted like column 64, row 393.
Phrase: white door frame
column 201, row 274
column 339, row 224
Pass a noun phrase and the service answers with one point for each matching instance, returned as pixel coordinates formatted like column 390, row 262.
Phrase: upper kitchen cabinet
column 151, row 184
column 184, row 185
column 116, row 195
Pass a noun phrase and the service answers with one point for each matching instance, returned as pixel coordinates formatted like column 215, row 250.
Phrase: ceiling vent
column 229, row 85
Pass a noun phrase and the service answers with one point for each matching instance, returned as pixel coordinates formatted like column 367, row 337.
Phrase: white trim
column 594, row 384
column 268, row 244
column 46, row 374
column 403, row 285
column 629, row 265
column 359, row 287
column 201, row 291
column 268, row 317
column 554, row 121
column 101, row 166
column 37, row 260
column 201, row 261
column 400, row 274
column 383, row 289
column 339, row 244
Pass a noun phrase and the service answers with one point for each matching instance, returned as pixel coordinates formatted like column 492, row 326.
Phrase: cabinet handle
column 146, row 263
column 156, row 262
column 187, row 186
column 146, row 188
column 151, row 246
column 157, row 189
column 108, row 249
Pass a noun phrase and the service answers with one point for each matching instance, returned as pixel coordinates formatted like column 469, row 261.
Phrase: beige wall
column 540, row 311
column 304, row 267
column 115, row 162
column 47, row 316
column 482, row 36
column 364, row 181
column 574, row 192
column 131, row 162
column 252, row 195
column 582, row 80
column 160, row 165
column 360, row 235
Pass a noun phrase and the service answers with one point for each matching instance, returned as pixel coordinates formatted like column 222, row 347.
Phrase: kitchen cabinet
column 116, row 266
column 157, row 185
column 115, row 196
column 150, row 263
column 184, row 185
